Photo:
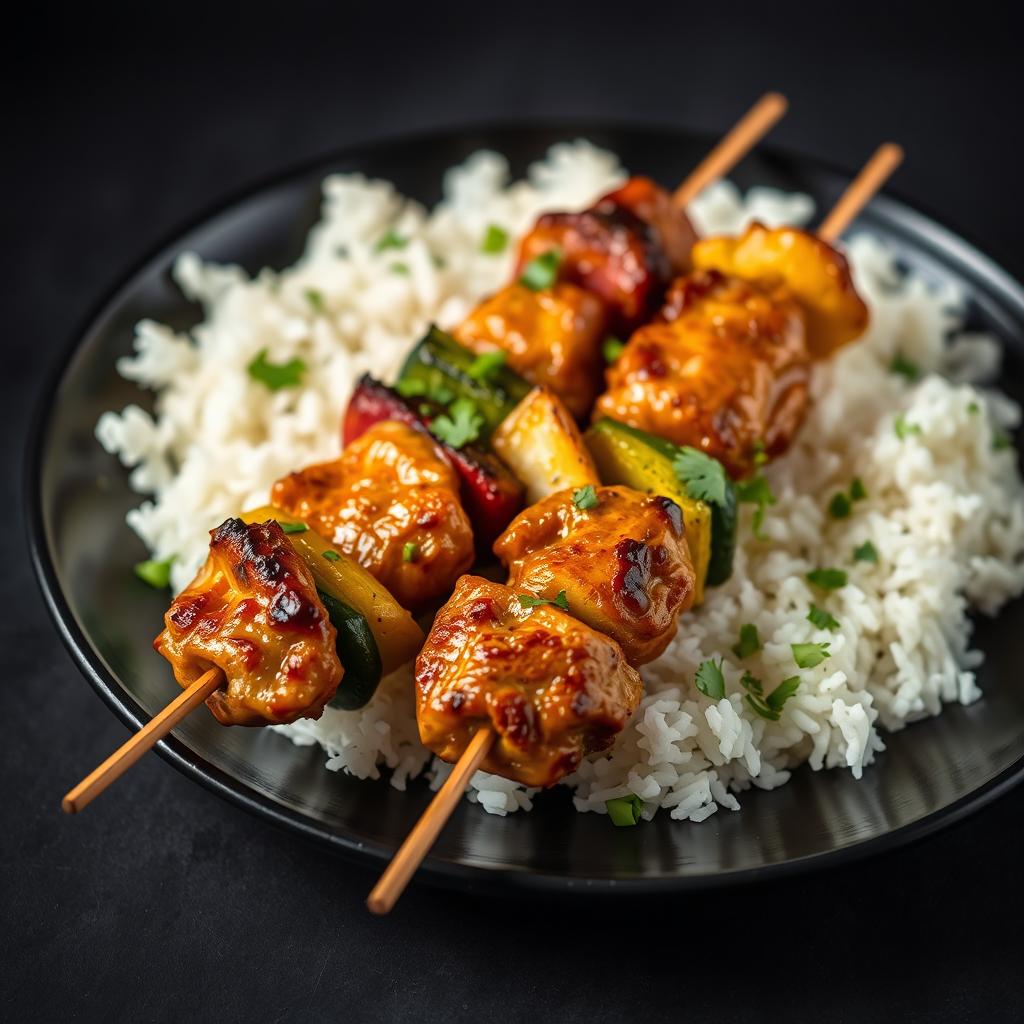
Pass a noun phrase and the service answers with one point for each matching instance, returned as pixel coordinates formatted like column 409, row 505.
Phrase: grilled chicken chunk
column 552, row 337
column 253, row 611
column 391, row 503
column 728, row 372
column 552, row 688
column 623, row 564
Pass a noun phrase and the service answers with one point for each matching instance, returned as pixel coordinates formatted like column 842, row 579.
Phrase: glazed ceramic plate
column 931, row 774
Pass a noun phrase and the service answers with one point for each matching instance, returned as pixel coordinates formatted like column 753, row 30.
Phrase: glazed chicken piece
column 623, row 564
column 727, row 373
column 551, row 337
column 552, row 688
column 624, row 249
column 253, row 612
column 391, row 503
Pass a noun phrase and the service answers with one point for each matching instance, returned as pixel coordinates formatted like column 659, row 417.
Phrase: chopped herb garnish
column 827, row 579
column 585, row 497
column 486, row 365
column 865, row 553
column 439, row 261
column 495, row 239
column 292, row 527
column 612, row 349
column 821, row 618
column 624, row 810
column 155, row 572
column 532, row 601
column 1000, row 441
column 839, row 507
column 809, row 655
column 391, row 240
column 769, row 707
column 749, row 641
column 974, row 408
column 778, row 697
column 760, row 455
column 903, row 428
column 542, row 271
column 410, row 552
column 858, row 492
column 315, row 299
column 399, row 268
column 709, row 679
column 460, row 425
column 332, row 556
column 756, row 491
column 905, row 368
column 751, row 683
column 276, row 375
column 416, row 387
column 703, row 478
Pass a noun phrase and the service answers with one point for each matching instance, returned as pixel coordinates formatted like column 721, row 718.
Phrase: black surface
column 163, row 902
column 929, row 775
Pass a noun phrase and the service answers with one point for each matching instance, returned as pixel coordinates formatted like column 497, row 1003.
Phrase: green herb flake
column 532, row 601
column 292, row 527
column 1000, row 441
column 400, row 268
column 974, row 408
column 486, row 365
column 865, row 553
column 757, row 704
column 821, row 618
column 612, row 349
column 703, row 478
column 749, row 643
column 315, row 299
column 391, row 240
column 542, row 271
column 624, row 811
column 858, row 492
column 760, row 456
column 495, row 240
column 827, row 579
column 410, row 552
column 416, row 387
column 778, row 697
column 809, row 655
column 155, row 572
column 905, row 368
column 751, row 683
column 331, row 556
column 756, row 491
column 904, row 429
column 585, row 497
column 460, row 425
column 276, row 376
column 709, row 679
column 839, row 507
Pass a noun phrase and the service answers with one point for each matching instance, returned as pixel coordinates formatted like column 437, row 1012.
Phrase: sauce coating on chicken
column 391, row 503
column 727, row 373
column 623, row 564
column 253, row 612
column 552, row 337
column 552, row 688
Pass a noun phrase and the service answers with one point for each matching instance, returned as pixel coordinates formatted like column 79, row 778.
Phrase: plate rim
column 949, row 240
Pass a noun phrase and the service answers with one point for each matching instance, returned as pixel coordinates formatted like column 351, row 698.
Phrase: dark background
column 164, row 903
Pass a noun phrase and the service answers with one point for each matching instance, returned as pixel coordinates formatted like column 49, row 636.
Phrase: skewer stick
column 419, row 841
column 861, row 190
column 733, row 146
column 126, row 755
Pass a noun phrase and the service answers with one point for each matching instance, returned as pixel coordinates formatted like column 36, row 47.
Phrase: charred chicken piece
column 551, row 337
column 253, row 612
column 391, row 503
column 623, row 564
column 728, row 373
column 552, row 688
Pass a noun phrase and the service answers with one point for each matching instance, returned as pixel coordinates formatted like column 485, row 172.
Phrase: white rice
column 945, row 506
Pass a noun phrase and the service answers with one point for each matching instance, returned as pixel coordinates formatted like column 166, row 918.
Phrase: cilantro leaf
column 821, row 618
column 827, row 579
column 585, row 497
column 905, row 368
column 809, row 655
column 542, row 271
column 460, row 425
column 532, row 601
column 703, row 478
column 749, row 641
column 276, row 376
column 155, row 572
column 612, row 349
column 410, row 551
column 486, row 365
column 858, row 492
column 751, row 683
column 756, row 491
column 778, row 697
column 417, row 387
column 839, row 507
column 709, row 679
column 315, row 299
column 495, row 239
column 865, row 553
column 903, row 428
column 390, row 240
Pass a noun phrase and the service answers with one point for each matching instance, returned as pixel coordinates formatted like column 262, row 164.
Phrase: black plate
column 931, row 774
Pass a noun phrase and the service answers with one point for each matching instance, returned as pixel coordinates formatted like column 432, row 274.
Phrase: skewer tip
column 68, row 805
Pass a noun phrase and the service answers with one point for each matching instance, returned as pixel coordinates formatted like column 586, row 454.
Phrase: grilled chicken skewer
column 481, row 658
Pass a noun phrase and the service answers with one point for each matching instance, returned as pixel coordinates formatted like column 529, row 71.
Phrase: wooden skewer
column 419, row 841
column 872, row 176
column 126, row 755
column 733, row 146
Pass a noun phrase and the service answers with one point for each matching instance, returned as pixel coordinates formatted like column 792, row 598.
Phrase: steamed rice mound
column 943, row 512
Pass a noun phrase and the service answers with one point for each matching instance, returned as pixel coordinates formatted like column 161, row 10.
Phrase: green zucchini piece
column 440, row 369
column 357, row 651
